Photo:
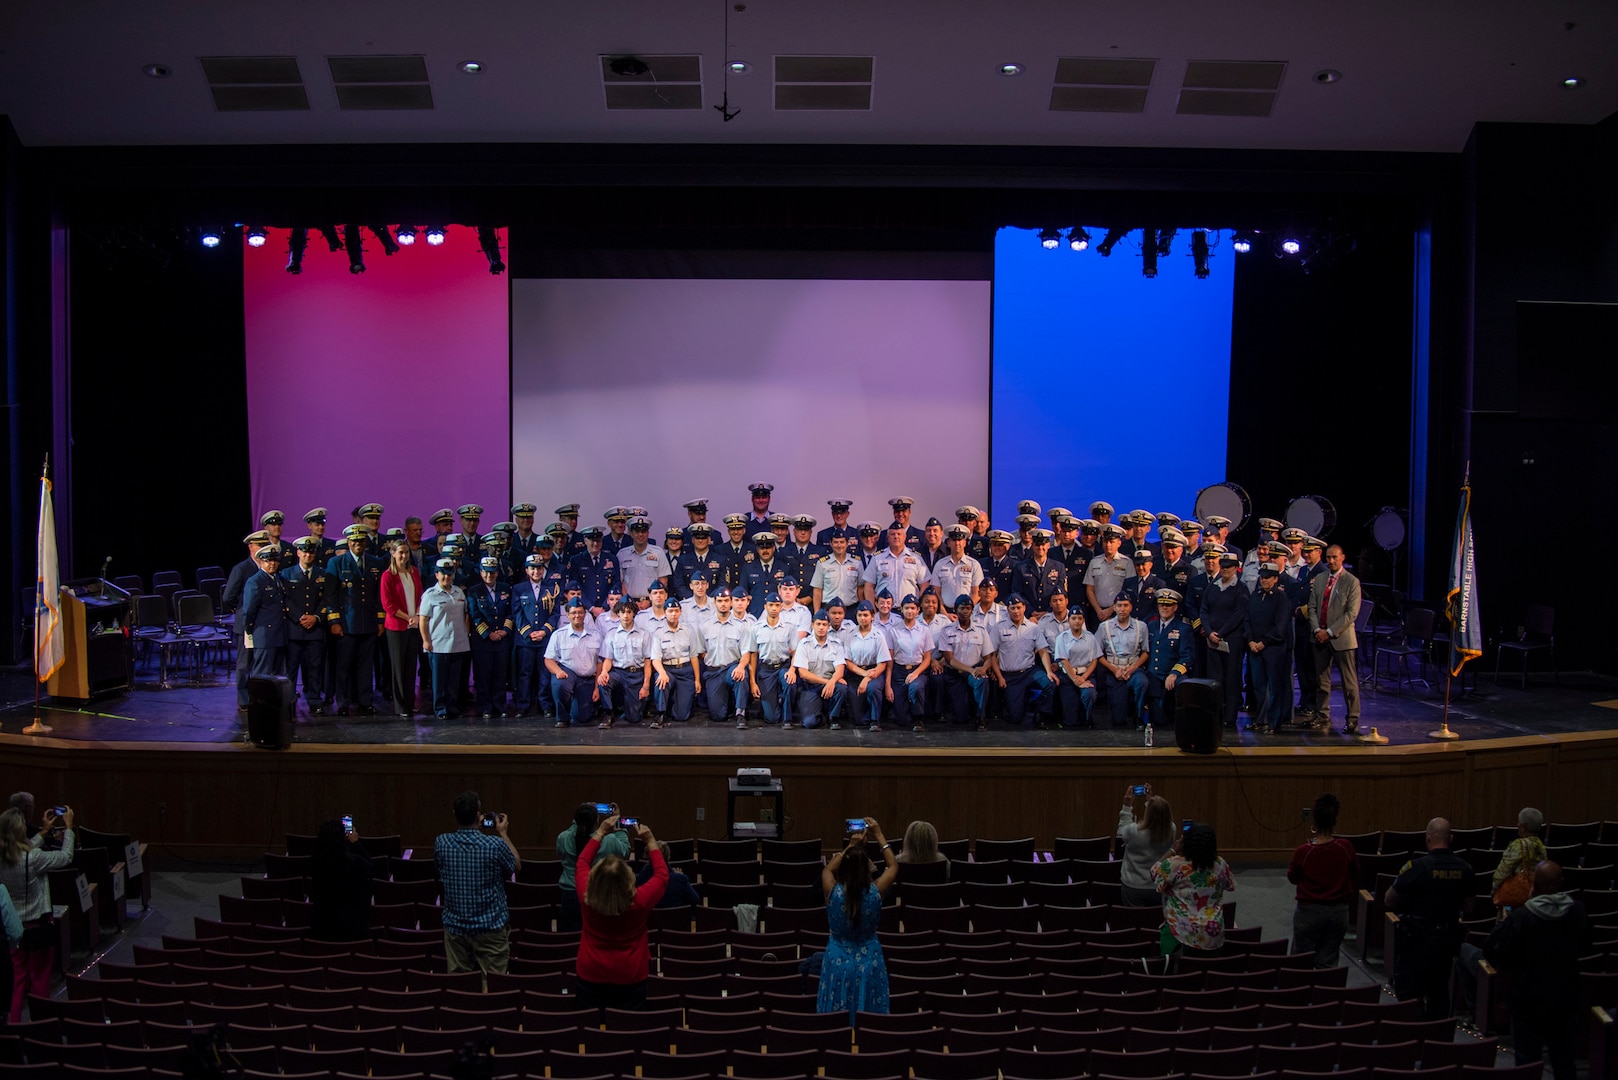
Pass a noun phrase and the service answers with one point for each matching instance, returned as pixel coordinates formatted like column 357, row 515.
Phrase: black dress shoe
column 367, row 710
column 487, row 715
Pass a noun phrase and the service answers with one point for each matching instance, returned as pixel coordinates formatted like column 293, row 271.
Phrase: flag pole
column 38, row 727
column 1444, row 733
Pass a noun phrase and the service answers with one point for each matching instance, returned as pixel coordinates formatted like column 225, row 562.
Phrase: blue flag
column 1465, row 632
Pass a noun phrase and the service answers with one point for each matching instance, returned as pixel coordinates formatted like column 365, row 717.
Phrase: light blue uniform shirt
column 821, row 658
column 955, row 578
column 444, row 613
column 936, row 628
column 774, row 644
column 866, row 650
column 627, row 648
column 670, row 643
column 968, row 646
column 697, row 617
column 1108, row 578
column 911, row 645
column 902, row 575
column 1017, row 643
column 575, row 650
column 839, row 579
column 725, row 642
column 801, row 618
column 638, row 570
column 1077, row 650
column 651, row 622
column 1122, row 644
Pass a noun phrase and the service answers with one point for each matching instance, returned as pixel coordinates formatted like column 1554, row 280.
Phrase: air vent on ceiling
column 1101, row 84
column 380, row 82
column 255, row 83
column 652, row 82
column 1230, row 87
column 824, row 83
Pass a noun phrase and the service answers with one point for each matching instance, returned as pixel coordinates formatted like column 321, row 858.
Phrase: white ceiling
column 1416, row 75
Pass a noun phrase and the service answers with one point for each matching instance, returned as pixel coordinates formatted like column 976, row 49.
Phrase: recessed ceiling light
column 470, row 67
column 740, row 67
column 1010, row 69
column 1573, row 82
column 156, row 71
column 1328, row 75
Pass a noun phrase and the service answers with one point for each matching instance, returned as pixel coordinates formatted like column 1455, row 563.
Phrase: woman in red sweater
column 613, row 959
column 401, row 606
column 1324, row 869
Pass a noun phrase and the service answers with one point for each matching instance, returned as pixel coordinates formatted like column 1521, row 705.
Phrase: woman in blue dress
column 853, row 975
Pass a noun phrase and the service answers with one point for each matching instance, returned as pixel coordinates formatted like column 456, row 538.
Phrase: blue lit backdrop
column 1107, row 384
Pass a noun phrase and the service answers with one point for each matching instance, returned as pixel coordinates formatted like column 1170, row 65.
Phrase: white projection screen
column 652, row 392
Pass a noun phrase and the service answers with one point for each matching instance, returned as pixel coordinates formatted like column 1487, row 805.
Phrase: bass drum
column 1227, row 500
column 1388, row 529
column 1314, row 514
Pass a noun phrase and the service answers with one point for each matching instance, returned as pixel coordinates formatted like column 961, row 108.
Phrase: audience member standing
column 473, row 868
column 339, row 886
column 1144, row 845
column 613, row 959
column 854, row 975
column 23, row 866
column 1324, row 869
column 1193, row 880
column 1428, row 897
column 569, row 843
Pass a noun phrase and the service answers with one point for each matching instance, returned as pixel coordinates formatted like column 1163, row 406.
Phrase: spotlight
column 1148, row 252
column 490, row 243
column 1242, row 242
column 1199, row 253
column 385, row 238
column 1110, row 241
column 256, row 236
column 435, row 235
column 1010, row 69
column 407, row 235
column 1573, row 82
column 1291, row 246
column 739, row 67
column 1165, row 238
column 470, row 67
column 355, row 245
column 1050, row 238
column 333, row 242
column 1078, row 238
column 295, row 248
column 210, row 238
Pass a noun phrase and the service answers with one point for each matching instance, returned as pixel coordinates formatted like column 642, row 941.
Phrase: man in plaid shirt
column 473, row 867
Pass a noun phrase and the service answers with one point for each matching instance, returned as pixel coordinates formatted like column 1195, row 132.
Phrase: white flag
column 48, row 648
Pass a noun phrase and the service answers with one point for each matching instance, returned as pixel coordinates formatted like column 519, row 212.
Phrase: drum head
column 1226, row 500
column 1388, row 529
column 1314, row 514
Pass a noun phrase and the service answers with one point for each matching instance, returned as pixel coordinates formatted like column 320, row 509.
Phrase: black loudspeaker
column 269, row 711
column 1198, row 715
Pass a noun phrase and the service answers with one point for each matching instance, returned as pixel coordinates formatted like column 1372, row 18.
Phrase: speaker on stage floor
column 269, row 711
column 1198, row 715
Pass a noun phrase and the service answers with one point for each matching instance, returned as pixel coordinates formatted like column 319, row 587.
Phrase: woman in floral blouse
column 1193, row 881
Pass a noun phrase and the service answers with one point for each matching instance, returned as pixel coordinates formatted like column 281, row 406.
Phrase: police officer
column 596, row 571
column 957, row 573
column 625, row 677
column 1040, row 576
column 263, row 615
column 839, row 525
column 800, row 553
column 837, row 576
column 1172, row 653
column 726, row 642
column 271, row 522
column 763, row 574
column 640, row 564
column 676, row 650
column 535, row 608
column 315, row 520
column 355, row 580
column 305, row 587
column 902, row 504
column 1429, row 896
column 488, row 609
column 701, row 556
column 1142, row 587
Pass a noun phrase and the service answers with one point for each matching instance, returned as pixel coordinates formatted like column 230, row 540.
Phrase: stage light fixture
column 435, row 235
column 470, row 67
column 1050, row 239
column 295, row 248
column 334, row 242
column 256, row 237
column 1010, row 69
column 210, row 238
column 1078, row 238
column 1165, row 239
column 385, row 238
column 490, row 243
column 1148, row 253
column 1242, row 241
column 1573, row 82
column 628, row 66
column 354, row 243
column 1291, row 246
column 739, row 67
column 1199, row 253
column 1110, row 241
column 407, row 235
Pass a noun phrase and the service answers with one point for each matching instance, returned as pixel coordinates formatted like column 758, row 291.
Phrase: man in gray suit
column 1334, row 604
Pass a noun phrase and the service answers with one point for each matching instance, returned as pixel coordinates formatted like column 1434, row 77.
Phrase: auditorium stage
column 172, row 767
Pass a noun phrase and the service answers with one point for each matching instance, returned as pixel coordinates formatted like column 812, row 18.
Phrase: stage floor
column 207, row 714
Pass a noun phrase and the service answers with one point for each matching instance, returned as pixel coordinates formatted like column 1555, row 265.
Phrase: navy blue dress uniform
column 230, row 600
column 328, row 546
column 307, row 597
column 764, row 574
column 572, row 541
column 864, row 530
column 1022, row 545
column 1169, row 652
column 715, row 562
column 535, row 609
column 431, row 546
column 977, row 545
column 1036, row 581
column 1002, row 570
column 915, row 540
column 851, row 532
column 1429, row 896
column 1303, row 650
column 613, row 541
column 283, row 548
column 1224, row 612
column 697, row 511
column 1075, row 556
column 488, row 609
column 523, row 543
column 1142, row 591
column 1270, row 621
column 472, row 539
column 263, row 615
column 596, row 573
column 355, row 580
column 800, row 553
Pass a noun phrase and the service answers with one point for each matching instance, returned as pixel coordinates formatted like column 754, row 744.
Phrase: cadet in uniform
column 815, row 680
column 596, row 571
column 898, row 569
column 356, row 619
column 535, row 610
column 1040, row 575
column 968, row 653
column 675, row 649
column 264, row 615
column 1429, row 896
column 305, row 586
column 902, row 504
column 1022, row 664
column 698, row 609
column 839, row 525
column 726, row 642
column 867, row 657
column 1142, row 587
column 772, row 648
column 1077, row 655
column 836, row 577
column 1171, row 655
column 573, row 659
column 911, row 645
column 1124, row 649
column 625, row 677
column 488, row 609
column 957, row 573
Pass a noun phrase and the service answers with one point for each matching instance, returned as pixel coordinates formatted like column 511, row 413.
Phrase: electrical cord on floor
column 1241, row 786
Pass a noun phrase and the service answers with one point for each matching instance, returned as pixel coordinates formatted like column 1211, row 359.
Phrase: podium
column 95, row 660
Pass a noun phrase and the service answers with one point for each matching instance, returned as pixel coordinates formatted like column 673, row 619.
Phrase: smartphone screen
column 855, row 824
column 348, row 823
column 604, row 809
column 629, row 822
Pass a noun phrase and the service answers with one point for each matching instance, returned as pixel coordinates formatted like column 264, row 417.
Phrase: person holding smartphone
column 574, row 839
column 473, row 867
column 1193, row 881
column 339, row 885
column 1144, row 844
column 614, row 960
column 854, row 975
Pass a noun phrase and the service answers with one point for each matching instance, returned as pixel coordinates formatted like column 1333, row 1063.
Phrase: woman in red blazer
column 401, row 603
column 613, row 958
